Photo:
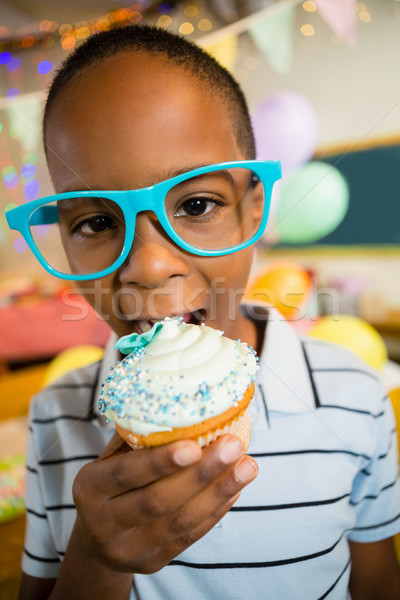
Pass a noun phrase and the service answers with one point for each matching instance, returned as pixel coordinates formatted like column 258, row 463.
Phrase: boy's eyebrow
column 185, row 170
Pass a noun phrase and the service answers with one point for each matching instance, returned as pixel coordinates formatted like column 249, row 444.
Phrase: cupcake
column 180, row 381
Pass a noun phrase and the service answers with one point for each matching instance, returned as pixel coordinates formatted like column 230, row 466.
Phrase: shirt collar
column 283, row 374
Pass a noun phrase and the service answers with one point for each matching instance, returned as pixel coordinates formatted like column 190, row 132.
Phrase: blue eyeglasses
column 210, row 211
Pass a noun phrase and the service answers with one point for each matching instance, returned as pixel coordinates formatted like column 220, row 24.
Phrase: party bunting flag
column 341, row 16
column 273, row 36
column 225, row 52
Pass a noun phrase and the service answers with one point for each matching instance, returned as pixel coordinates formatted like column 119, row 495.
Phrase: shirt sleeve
column 40, row 558
column 376, row 489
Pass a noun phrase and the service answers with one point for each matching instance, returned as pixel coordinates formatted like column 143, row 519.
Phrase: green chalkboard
column 373, row 218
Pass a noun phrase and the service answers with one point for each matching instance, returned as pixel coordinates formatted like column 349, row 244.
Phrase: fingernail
column 230, row 449
column 186, row 455
column 245, row 470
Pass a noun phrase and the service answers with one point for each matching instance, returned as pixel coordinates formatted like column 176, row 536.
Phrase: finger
column 181, row 501
column 166, row 495
column 205, row 504
column 118, row 474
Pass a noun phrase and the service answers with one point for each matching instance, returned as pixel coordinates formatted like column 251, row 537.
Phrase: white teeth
column 145, row 325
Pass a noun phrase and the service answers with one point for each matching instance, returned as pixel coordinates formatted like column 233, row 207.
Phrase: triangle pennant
column 273, row 36
column 341, row 16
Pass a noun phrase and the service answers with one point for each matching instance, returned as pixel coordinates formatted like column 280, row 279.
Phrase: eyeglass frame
column 132, row 202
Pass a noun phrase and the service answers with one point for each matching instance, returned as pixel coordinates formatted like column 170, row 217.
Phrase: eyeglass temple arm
column 45, row 215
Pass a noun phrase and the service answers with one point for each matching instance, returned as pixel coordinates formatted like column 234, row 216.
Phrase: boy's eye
column 196, row 207
column 95, row 224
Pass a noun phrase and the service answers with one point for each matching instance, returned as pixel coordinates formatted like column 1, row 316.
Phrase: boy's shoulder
column 72, row 393
column 337, row 370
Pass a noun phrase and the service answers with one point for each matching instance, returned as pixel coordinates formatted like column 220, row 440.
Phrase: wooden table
column 12, row 541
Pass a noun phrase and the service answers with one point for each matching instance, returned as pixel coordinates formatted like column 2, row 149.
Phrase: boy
column 132, row 108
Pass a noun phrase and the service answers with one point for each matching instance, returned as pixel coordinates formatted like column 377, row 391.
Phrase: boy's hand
column 137, row 510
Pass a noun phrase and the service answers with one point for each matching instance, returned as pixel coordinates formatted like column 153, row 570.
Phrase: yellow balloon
column 70, row 359
column 355, row 334
column 395, row 398
column 225, row 52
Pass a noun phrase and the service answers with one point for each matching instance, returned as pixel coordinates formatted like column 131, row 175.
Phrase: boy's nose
column 154, row 257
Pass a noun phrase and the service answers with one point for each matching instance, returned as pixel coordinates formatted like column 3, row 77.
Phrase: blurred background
column 321, row 79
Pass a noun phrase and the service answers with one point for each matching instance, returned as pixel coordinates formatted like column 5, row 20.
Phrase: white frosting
column 184, row 375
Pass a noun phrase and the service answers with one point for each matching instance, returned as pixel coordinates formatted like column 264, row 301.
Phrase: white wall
column 355, row 90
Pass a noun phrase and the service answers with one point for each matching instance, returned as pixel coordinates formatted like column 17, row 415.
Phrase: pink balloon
column 286, row 129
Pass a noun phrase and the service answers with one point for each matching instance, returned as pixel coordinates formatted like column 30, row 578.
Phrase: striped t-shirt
column 325, row 441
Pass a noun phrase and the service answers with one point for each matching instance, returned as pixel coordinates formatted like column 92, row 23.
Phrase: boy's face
column 128, row 123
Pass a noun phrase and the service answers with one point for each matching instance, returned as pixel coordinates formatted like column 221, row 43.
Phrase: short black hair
column 158, row 42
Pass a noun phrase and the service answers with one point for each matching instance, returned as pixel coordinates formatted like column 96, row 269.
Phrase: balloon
column 395, row 398
column 286, row 129
column 284, row 284
column 70, row 359
column 313, row 202
column 355, row 334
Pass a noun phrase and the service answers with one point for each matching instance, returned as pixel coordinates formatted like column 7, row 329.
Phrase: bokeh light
column 11, row 180
column 10, row 206
column 20, row 245
column 82, row 32
column 7, row 170
column 309, row 6
column 164, row 8
column 204, row 25
column 28, row 41
column 164, row 21
column 31, row 189
column 364, row 16
column 44, row 67
column 307, row 29
column 186, row 28
column 65, row 28
column 28, row 170
column 14, row 64
column 5, row 58
column 191, row 11
column 67, row 41
column 29, row 157
column 12, row 93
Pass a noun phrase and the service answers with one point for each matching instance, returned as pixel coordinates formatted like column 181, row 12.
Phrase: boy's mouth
column 194, row 318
